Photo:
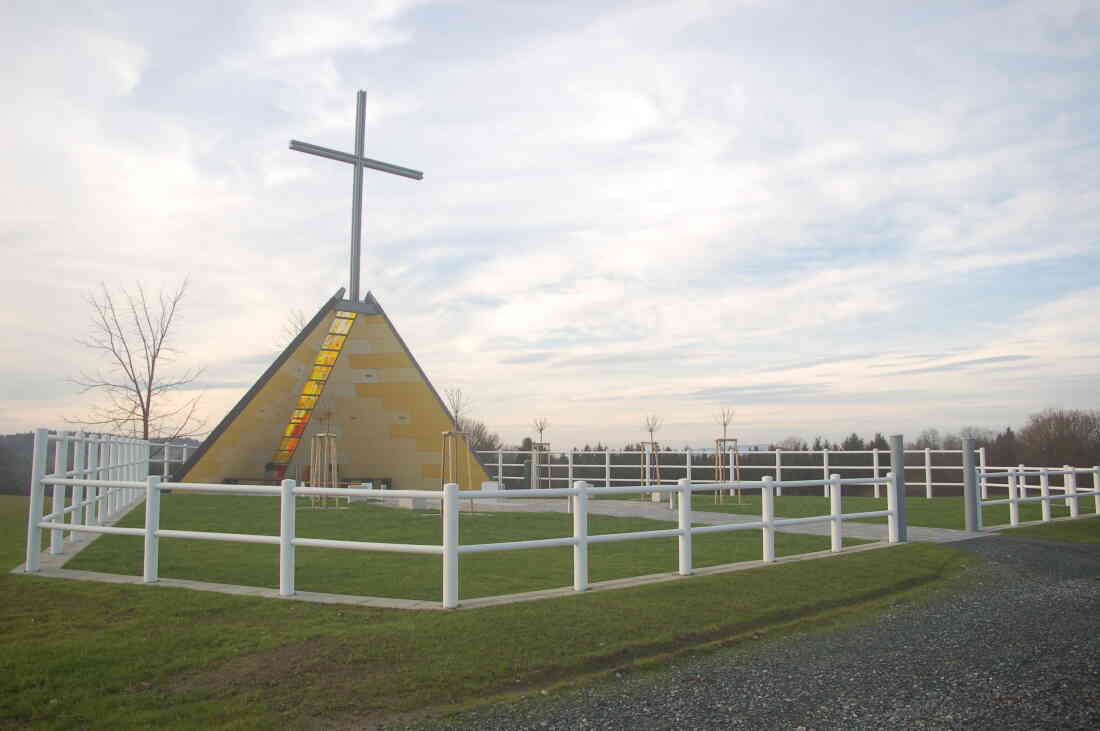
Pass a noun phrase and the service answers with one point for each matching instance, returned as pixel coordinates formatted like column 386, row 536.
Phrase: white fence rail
column 1017, row 485
column 122, row 480
column 96, row 479
column 606, row 467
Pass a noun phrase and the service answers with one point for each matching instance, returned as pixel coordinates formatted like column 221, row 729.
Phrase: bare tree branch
column 725, row 418
column 651, row 424
column 134, row 334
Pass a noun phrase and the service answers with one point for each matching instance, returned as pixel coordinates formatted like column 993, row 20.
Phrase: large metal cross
column 358, row 162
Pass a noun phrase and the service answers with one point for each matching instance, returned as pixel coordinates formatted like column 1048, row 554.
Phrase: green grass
column 403, row 575
column 1069, row 531
column 940, row 512
column 101, row 656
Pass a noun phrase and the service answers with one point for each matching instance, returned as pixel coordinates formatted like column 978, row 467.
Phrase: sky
column 828, row 217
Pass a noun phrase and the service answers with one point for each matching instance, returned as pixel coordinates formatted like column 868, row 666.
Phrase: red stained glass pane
column 289, row 444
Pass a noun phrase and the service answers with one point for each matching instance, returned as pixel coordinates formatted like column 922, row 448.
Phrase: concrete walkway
column 660, row 511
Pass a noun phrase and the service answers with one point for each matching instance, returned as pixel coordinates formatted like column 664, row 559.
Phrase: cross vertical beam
column 357, row 194
column 358, row 162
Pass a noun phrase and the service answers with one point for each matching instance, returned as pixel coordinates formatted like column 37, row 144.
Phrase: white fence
column 1017, row 485
column 102, row 475
column 122, row 480
column 607, row 467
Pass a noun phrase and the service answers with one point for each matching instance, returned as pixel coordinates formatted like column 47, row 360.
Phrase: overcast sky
column 826, row 216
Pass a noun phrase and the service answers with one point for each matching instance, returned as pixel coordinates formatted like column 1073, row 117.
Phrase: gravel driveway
column 1018, row 648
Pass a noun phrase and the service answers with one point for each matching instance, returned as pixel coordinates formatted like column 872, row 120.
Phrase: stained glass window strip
column 326, row 358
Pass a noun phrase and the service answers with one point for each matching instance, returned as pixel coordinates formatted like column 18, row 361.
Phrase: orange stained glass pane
column 313, row 388
column 289, row 444
column 307, row 402
column 294, row 430
column 345, row 314
column 300, row 416
column 333, row 342
column 340, row 327
column 326, row 357
column 281, row 457
column 320, row 373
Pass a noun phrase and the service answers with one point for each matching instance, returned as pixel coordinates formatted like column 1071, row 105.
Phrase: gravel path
column 1018, row 648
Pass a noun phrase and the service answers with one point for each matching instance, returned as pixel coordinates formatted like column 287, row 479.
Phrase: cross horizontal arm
column 352, row 159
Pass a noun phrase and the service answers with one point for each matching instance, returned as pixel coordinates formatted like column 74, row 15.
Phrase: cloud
column 961, row 365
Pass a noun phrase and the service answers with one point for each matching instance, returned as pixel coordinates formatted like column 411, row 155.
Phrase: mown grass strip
column 1083, row 530
column 102, row 656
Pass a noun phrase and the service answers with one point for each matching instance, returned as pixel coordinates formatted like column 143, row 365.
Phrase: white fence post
column 76, row 517
column 971, row 501
column 1021, row 482
column 91, row 470
column 580, row 534
column 569, row 468
column 288, row 514
column 981, row 464
column 875, row 468
column 767, row 516
column 104, row 474
column 928, row 473
column 607, row 467
column 1013, row 505
column 683, row 522
column 1044, row 491
column 1096, row 488
column 733, row 470
column 500, row 468
column 837, row 541
column 1071, row 491
column 897, row 463
column 892, row 507
column 34, row 512
column 152, row 528
column 60, row 452
column 778, row 471
column 450, row 545
column 825, row 472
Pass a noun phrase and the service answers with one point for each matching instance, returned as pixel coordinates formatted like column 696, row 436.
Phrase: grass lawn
column 101, row 656
column 1070, row 531
column 940, row 512
column 403, row 575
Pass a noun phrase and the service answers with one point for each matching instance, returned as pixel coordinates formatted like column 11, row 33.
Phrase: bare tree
column 651, row 424
column 725, row 418
column 459, row 404
column 133, row 333
column 479, row 437
column 294, row 324
column 540, row 425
